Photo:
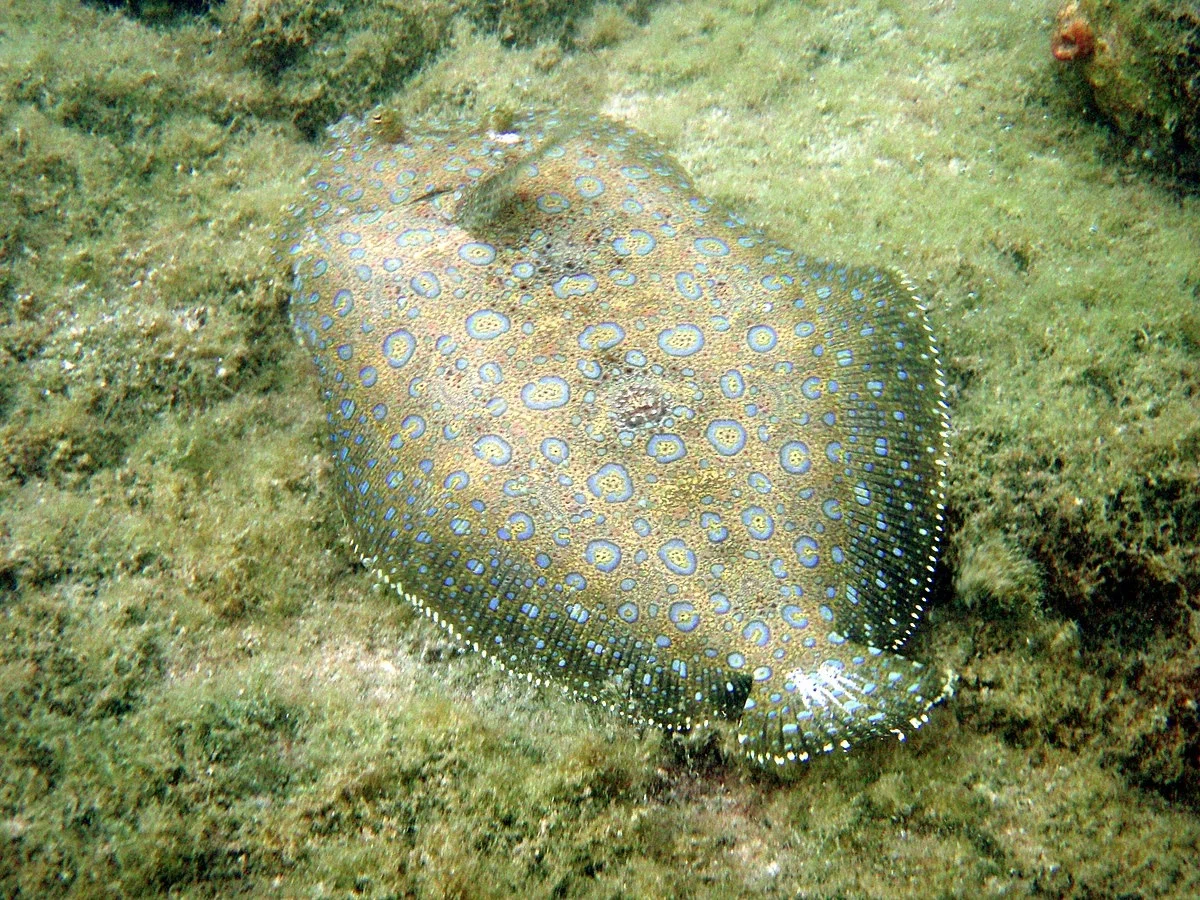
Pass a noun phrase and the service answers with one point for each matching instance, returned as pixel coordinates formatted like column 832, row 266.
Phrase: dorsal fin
column 484, row 203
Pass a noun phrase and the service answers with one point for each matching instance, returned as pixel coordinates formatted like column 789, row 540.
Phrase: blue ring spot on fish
column 553, row 203
column 611, row 483
column 666, row 448
column 681, row 340
column 711, row 246
column 678, row 557
column 604, row 555
column 601, row 336
column 688, row 286
column 589, row 187
column 548, row 392
column 637, row 243
column 555, row 450
column 477, row 253
column 727, row 436
column 576, row 285
column 487, row 324
column 761, row 338
column 426, row 284
column 683, row 616
column 758, row 523
column 521, row 526
column 398, row 348
column 343, row 302
column 806, row 552
column 794, row 458
column 733, row 385
column 491, row 448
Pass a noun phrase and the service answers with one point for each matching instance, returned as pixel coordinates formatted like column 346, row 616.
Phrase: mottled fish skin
column 610, row 436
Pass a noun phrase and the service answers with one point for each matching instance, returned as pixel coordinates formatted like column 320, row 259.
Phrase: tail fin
column 866, row 692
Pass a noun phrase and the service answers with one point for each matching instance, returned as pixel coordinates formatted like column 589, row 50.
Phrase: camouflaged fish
column 613, row 438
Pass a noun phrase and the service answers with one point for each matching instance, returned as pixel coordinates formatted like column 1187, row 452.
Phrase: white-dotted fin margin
column 626, row 712
column 941, row 461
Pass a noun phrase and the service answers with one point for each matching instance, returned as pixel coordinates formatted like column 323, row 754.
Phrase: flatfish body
column 610, row 436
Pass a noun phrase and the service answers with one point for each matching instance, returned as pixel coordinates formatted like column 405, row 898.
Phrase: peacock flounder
column 610, row 436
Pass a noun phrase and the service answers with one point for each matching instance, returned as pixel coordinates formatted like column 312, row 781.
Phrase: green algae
column 323, row 58
column 1138, row 66
column 200, row 693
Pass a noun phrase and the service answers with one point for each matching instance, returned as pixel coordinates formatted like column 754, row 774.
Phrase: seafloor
column 201, row 693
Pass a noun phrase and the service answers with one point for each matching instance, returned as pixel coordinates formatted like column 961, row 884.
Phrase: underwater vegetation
column 325, row 58
column 202, row 691
column 1138, row 63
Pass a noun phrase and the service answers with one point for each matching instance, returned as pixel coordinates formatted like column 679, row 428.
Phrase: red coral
column 1073, row 36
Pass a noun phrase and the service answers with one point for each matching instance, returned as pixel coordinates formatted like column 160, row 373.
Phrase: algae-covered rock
column 158, row 10
column 1138, row 61
column 326, row 58
column 323, row 59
